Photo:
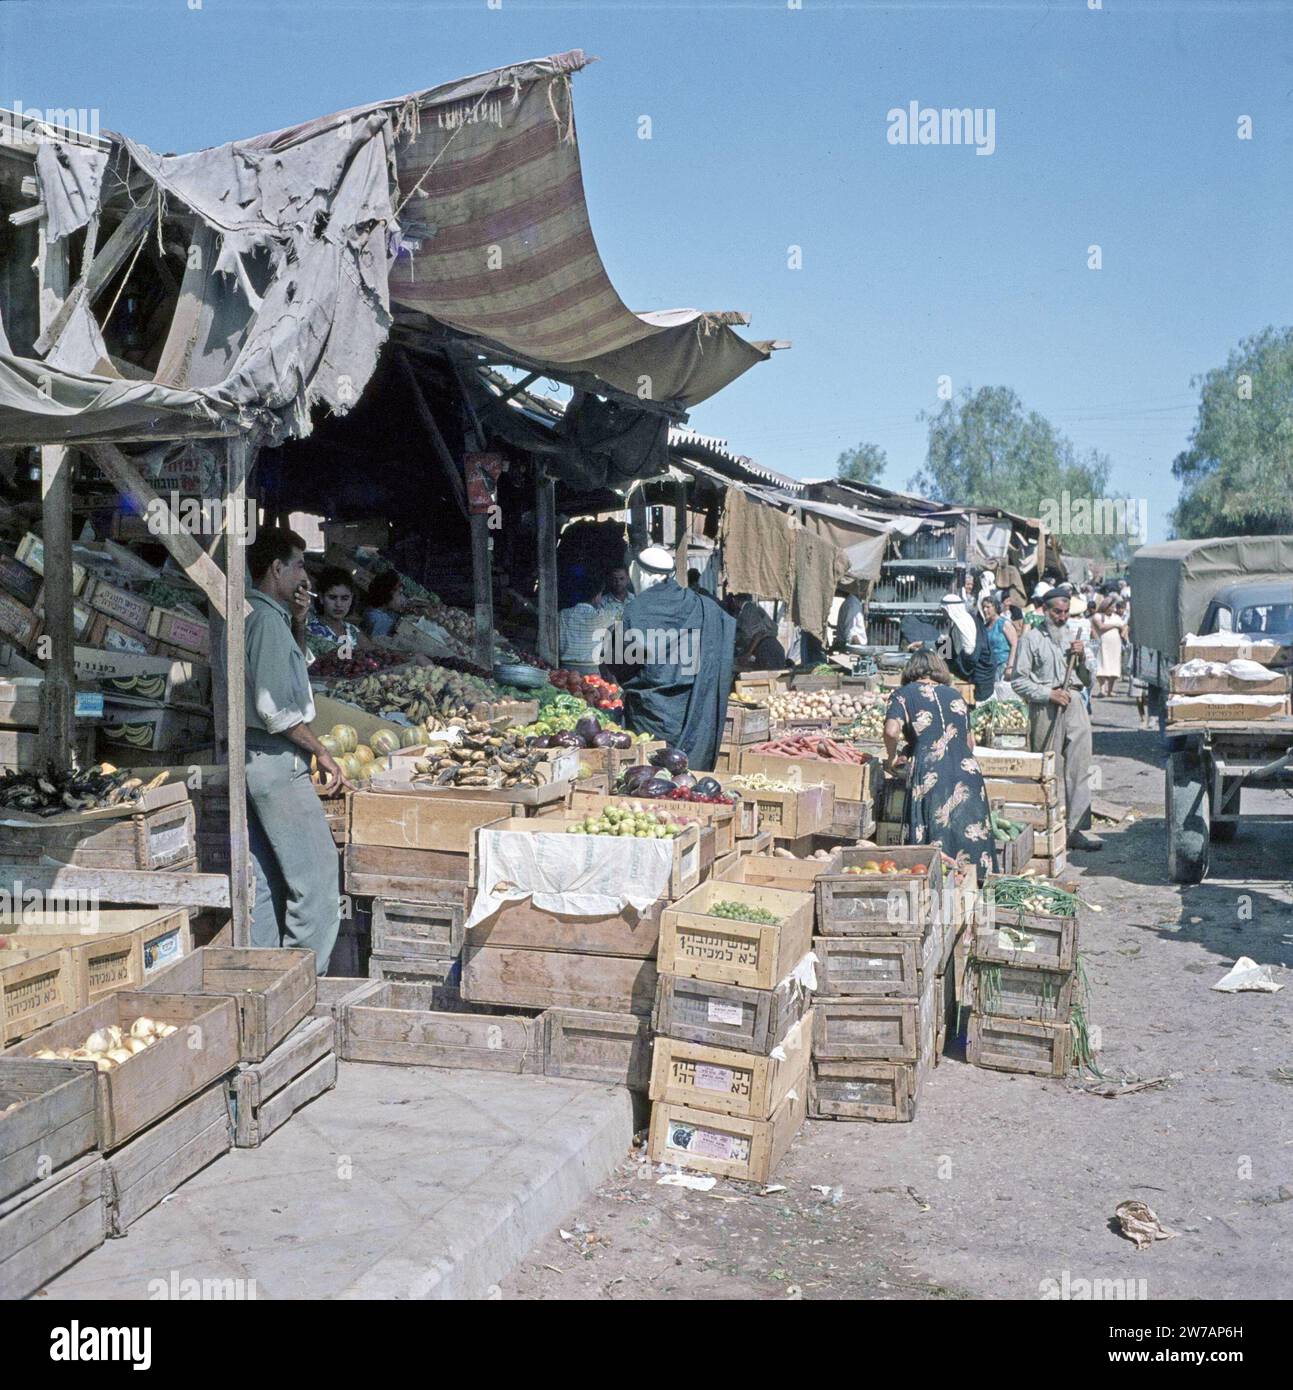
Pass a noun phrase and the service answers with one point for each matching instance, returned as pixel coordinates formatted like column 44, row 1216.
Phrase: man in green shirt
column 297, row 893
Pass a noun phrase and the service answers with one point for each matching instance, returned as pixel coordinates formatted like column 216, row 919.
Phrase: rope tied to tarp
column 567, row 124
column 440, row 153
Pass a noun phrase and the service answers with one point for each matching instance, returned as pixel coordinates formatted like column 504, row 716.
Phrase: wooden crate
column 45, row 1228
column 1049, row 865
column 872, row 1030
column 1016, row 766
column 163, row 934
column 1024, row 938
column 892, row 967
column 132, row 729
column 398, row 1023
column 406, row 875
column 160, row 837
column 755, row 844
column 1013, row 855
column 852, row 781
column 722, row 818
column 757, row 685
column 693, row 942
column 99, row 965
column 334, row 992
column 163, row 679
column 1019, row 1045
column 1049, row 843
column 684, row 873
column 727, row 1081
column 727, row 1145
column 143, row 1172
column 724, row 863
column 854, row 820
column 52, row 1122
column 1277, row 683
column 557, row 980
column 274, row 989
column 774, row 871
column 1019, row 991
column 36, row 988
column 849, row 1090
column 1045, row 793
column 589, row 1046
column 1038, row 817
column 520, row 923
column 900, row 904
column 788, row 815
column 430, row 836
column 746, row 724
column 138, row 1092
column 410, row 970
column 264, row 1095
column 612, row 761
column 419, row 930
column 727, row 1016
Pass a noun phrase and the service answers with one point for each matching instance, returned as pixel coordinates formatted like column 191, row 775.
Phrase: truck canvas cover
column 1172, row 583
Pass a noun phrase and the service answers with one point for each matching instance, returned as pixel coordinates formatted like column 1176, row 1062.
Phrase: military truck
column 1241, row 585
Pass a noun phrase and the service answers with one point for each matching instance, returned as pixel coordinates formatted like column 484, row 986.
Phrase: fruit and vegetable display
column 593, row 690
column 868, row 727
column 1004, row 829
column 666, row 777
column 810, row 746
column 420, row 693
column 87, row 789
column 481, row 758
column 1024, row 893
column 329, row 666
column 870, row 867
column 999, row 717
column 113, row 1046
column 743, row 912
column 588, row 731
column 761, row 782
column 631, row 820
column 829, row 706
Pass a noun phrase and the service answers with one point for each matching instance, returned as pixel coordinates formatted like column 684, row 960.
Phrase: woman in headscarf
column 757, row 647
column 971, row 650
column 947, row 802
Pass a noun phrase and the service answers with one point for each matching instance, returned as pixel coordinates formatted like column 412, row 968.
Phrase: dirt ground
column 1003, row 1183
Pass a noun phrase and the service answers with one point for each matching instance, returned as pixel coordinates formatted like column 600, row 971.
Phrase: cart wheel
column 1223, row 831
column 1187, row 821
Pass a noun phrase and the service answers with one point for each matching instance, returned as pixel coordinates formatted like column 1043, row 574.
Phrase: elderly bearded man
column 1053, row 695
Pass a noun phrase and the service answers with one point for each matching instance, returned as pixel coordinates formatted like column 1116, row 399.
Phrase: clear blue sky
column 1115, row 127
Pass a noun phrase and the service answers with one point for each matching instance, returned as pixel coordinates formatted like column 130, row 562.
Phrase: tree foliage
column 864, row 463
column 985, row 450
column 1237, row 474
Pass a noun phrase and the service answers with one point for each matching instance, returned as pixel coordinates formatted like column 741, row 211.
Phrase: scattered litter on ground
column 688, row 1180
column 1127, row 1088
column 1246, row 974
column 1140, row 1225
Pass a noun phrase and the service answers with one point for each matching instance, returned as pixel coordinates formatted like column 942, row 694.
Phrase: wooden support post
column 679, row 512
column 236, row 694
column 638, row 537
column 549, row 638
column 483, row 585
column 58, row 690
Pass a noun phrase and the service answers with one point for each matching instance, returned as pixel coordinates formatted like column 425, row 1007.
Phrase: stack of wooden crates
column 1026, row 787
column 884, row 943
column 731, row 1058
column 1022, row 990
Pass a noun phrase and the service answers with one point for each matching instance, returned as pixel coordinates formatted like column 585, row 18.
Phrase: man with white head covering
column 672, row 657
column 971, row 649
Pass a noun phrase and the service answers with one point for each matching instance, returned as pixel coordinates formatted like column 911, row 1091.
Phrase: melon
column 346, row 736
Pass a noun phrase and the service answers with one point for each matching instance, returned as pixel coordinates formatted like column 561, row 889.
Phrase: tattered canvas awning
column 461, row 208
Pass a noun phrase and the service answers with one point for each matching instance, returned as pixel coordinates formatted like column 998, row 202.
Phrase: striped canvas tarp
column 500, row 246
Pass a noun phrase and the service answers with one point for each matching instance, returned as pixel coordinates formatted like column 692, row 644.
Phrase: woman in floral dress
column 947, row 801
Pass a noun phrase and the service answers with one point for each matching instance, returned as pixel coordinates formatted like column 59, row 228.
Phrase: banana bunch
column 482, row 758
column 426, row 694
column 89, row 789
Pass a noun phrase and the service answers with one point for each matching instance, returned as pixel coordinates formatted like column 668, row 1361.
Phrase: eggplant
column 655, row 788
column 566, row 740
column 636, row 776
column 604, row 739
column 673, row 760
column 684, row 779
column 540, row 741
column 707, row 786
column 588, row 728
column 622, row 740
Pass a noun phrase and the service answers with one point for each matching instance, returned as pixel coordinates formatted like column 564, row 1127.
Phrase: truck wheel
column 1223, row 831
column 1187, row 819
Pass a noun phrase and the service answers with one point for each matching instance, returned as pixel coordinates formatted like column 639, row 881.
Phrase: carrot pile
column 811, row 746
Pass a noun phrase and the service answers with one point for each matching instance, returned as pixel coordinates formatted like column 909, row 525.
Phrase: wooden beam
column 147, row 886
column 237, row 468
column 549, row 636
column 58, row 689
column 483, row 586
column 119, row 245
column 189, row 555
column 426, row 417
column 638, row 537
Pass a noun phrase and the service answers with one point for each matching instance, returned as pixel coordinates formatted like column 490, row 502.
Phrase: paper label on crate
column 117, row 641
column 711, row 1078
column 704, row 1142
column 720, row 1012
column 1015, row 940
column 165, row 844
column 161, row 950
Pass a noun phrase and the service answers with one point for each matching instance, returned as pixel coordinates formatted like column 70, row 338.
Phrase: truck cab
column 1254, row 610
